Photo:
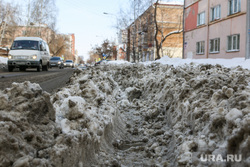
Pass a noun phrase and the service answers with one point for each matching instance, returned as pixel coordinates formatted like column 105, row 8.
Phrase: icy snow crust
column 129, row 115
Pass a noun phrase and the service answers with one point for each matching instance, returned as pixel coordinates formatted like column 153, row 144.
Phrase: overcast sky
column 86, row 20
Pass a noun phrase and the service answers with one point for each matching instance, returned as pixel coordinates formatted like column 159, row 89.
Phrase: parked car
column 29, row 52
column 69, row 63
column 56, row 62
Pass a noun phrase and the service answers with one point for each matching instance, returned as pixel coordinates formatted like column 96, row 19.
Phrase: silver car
column 56, row 62
column 69, row 63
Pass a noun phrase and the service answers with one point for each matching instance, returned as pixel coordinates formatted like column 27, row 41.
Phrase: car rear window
column 55, row 58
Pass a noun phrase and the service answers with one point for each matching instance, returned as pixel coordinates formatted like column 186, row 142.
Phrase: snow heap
column 27, row 125
column 129, row 115
column 3, row 60
column 184, row 112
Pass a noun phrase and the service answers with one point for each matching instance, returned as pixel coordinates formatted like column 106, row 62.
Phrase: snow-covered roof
column 173, row 2
column 28, row 38
column 3, row 48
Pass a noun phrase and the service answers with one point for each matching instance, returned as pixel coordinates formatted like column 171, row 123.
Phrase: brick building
column 140, row 34
column 216, row 29
column 72, row 43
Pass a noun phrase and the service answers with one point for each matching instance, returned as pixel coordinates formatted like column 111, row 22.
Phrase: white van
column 29, row 52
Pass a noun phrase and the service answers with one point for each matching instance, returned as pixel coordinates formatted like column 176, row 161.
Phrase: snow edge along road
column 132, row 115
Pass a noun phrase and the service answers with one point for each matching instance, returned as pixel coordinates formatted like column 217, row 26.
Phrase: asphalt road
column 50, row 81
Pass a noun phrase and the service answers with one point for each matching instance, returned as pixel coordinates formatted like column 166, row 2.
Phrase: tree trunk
column 156, row 32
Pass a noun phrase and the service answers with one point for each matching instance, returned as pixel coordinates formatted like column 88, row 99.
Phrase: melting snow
column 163, row 113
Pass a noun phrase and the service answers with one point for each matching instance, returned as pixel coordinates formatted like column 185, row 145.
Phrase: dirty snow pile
column 38, row 129
column 129, row 115
column 3, row 60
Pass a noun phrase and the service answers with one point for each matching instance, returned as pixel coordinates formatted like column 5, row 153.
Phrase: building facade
column 141, row 33
column 72, row 43
column 216, row 29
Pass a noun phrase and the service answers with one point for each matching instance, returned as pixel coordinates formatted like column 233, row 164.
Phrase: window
column 214, row 45
column 24, row 44
column 200, row 47
column 216, row 12
column 201, row 18
column 233, row 43
column 234, row 6
column 42, row 47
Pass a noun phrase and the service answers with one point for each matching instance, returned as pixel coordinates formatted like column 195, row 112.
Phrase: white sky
column 86, row 20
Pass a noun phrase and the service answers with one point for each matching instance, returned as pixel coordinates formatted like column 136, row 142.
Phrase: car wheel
column 45, row 68
column 10, row 69
column 39, row 68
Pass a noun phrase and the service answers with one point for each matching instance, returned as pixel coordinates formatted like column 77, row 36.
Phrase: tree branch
column 169, row 34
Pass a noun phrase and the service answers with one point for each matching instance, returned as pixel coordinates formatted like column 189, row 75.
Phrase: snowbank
column 3, row 60
column 158, row 114
column 184, row 112
column 229, row 63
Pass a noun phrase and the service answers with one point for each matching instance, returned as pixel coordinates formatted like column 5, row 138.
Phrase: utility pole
column 117, row 32
column 28, row 21
column 134, row 38
column 248, row 31
column 40, row 19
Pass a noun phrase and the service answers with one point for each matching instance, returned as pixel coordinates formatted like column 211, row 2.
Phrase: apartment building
column 72, row 43
column 216, row 29
column 141, row 33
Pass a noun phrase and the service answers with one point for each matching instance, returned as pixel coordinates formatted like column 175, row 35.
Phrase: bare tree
column 159, row 30
column 107, row 47
column 9, row 18
column 130, row 19
column 43, row 12
column 41, row 19
column 59, row 45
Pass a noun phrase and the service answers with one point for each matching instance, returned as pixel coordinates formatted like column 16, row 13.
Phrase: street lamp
column 106, row 13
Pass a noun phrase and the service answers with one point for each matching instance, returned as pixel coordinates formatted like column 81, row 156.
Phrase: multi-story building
column 216, row 29
column 141, row 33
column 72, row 43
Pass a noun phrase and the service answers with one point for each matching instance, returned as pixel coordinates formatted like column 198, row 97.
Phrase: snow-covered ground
column 3, row 60
column 245, row 63
column 166, row 113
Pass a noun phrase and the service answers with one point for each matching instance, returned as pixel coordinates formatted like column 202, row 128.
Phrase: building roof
column 174, row 2
column 28, row 38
